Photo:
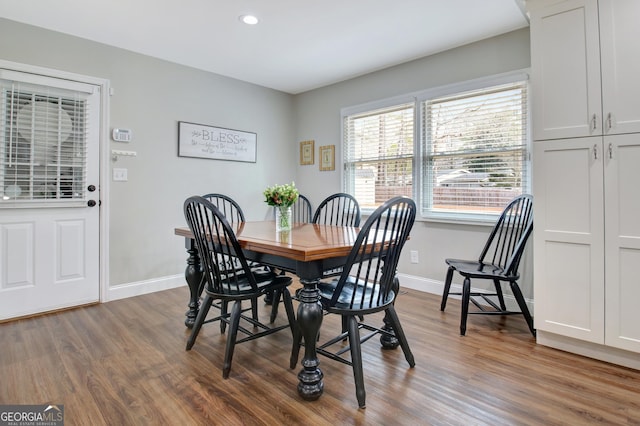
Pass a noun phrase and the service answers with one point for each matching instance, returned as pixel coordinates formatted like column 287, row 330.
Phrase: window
column 42, row 145
column 379, row 153
column 470, row 157
column 475, row 148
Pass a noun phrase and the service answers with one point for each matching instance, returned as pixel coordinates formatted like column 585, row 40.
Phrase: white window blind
column 378, row 154
column 475, row 146
column 43, row 138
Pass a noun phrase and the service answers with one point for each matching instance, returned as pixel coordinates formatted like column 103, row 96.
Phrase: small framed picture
column 327, row 158
column 306, row 152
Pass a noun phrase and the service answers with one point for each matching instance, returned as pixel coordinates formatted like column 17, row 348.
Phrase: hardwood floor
column 124, row 363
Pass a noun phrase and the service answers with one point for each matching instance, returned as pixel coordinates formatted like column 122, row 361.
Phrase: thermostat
column 121, row 135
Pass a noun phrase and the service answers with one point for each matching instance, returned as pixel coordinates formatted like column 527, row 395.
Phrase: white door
column 49, row 194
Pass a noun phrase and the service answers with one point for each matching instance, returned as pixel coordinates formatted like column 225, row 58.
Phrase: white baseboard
column 123, row 291
column 421, row 284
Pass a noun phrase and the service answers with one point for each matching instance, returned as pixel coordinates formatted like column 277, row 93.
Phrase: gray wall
column 151, row 96
column 318, row 118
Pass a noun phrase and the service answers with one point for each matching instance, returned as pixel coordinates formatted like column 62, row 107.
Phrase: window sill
column 472, row 220
column 489, row 221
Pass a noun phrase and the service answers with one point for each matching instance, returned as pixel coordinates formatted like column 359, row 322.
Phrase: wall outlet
column 414, row 256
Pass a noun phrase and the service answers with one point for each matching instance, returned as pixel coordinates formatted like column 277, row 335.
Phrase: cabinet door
column 620, row 57
column 622, row 241
column 569, row 238
column 565, row 67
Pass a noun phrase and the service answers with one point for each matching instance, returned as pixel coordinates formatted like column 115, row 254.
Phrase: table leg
column 310, row 385
column 388, row 342
column 193, row 276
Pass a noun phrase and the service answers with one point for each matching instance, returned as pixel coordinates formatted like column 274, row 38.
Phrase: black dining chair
column 367, row 285
column 227, row 206
column 234, row 214
column 301, row 209
column 229, row 282
column 338, row 209
column 499, row 261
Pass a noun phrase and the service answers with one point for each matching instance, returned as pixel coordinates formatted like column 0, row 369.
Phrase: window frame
column 419, row 159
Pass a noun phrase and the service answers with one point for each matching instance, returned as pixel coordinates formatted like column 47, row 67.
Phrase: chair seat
column 362, row 292
column 475, row 269
column 262, row 272
column 266, row 282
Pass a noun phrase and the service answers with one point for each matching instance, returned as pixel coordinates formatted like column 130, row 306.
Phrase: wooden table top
column 305, row 242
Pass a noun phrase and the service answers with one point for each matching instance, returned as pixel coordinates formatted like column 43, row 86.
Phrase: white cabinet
column 568, row 238
column 587, row 239
column 565, row 74
column 586, row 174
column 585, row 60
column 622, row 241
column 620, row 65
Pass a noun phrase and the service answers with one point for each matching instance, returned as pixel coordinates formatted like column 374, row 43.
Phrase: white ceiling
column 297, row 46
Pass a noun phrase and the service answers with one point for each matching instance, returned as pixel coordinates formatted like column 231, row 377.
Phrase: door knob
column 91, row 203
column 91, row 188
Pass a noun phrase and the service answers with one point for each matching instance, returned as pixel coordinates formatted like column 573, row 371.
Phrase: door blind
column 42, row 145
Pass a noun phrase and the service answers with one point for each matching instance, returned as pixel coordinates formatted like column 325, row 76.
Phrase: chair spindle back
column 372, row 262
column 506, row 242
column 338, row 209
column 217, row 244
column 228, row 206
column 301, row 210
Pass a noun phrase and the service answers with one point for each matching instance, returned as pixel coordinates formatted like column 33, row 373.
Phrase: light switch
column 120, row 174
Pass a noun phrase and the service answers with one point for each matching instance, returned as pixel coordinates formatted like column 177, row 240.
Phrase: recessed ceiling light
column 249, row 19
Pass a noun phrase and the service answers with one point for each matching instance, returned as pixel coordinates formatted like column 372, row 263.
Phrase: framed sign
column 306, row 152
column 216, row 143
column 327, row 157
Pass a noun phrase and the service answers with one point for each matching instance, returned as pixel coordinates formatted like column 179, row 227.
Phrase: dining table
column 310, row 251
